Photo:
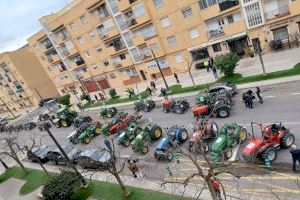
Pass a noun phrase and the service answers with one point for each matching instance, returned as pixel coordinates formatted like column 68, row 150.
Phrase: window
column 83, row 19
column 164, row 22
column 154, row 47
column 206, row 3
column 98, row 49
column 122, row 56
column 80, row 40
column 147, row 31
column 109, row 24
column 106, row 63
column 187, row 12
column 87, row 54
column 112, row 76
column 92, row 35
column 172, row 40
column 217, row 47
column 138, row 10
column 281, row 34
column 254, row 17
column 163, row 63
column 73, row 26
column 158, row 3
column 194, row 33
column 69, row 44
column 178, row 58
column 230, row 19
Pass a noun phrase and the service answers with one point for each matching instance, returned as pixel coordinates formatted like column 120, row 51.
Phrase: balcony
column 228, row 4
column 140, row 20
column 215, row 33
column 277, row 12
column 123, row 63
column 235, row 28
column 138, row 40
column 109, row 34
column 125, row 4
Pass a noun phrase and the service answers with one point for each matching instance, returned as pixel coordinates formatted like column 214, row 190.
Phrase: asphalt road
column 281, row 104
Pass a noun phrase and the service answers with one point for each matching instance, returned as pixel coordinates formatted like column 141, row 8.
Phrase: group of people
column 249, row 96
column 135, row 168
column 152, row 88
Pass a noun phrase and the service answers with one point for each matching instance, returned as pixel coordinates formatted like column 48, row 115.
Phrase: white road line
column 266, row 97
column 296, row 93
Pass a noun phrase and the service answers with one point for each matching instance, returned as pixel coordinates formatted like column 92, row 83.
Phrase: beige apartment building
column 23, row 80
column 93, row 45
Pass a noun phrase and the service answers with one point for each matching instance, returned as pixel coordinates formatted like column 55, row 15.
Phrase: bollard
column 175, row 155
column 168, row 168
column 268, row 164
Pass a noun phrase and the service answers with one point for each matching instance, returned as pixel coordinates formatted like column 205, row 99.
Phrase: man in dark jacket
column 295, row 155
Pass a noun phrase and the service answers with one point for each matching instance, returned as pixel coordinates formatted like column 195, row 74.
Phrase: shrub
column 227, row 63
column 112, row 92
column 62, row 187
column 86, row 97
column 64, row 100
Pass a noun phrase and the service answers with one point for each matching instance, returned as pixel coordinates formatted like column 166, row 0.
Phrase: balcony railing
column 277, row 12
column 131, row 22
column 79, row 62
column 228, row 4
column 216, row 32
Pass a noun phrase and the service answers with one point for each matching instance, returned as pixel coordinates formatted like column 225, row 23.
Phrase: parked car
column 38, row 153
column 57, row 157
column 43, row 101
column 228, row 86
column 94, row 159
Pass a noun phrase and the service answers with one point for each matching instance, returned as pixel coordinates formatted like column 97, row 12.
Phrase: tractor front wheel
column 145, row 150
column 243, row 135
column 270, row 153
column 228, row 153
column 87, row 140
column 126, row 143
column 156, row 133
column 287, row 140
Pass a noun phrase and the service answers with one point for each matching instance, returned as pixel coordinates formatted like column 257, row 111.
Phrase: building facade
column 93, row 45
column 23, row 81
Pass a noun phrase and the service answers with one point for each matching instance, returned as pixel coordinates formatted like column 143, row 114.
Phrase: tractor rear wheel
column 156, row 133
column 223, row 112
column 243, row 135
column 287, row 140
column 178, row 110
column 145, row 150
column 270, row 153
column 228, row 153
column 182, row 135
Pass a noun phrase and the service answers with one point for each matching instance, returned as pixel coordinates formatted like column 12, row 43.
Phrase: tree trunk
column 120, row 182
column 20, row 163
column 211, row 190
column 191, row 76
column 262, row 63
column 4, row 164
column 42, row 166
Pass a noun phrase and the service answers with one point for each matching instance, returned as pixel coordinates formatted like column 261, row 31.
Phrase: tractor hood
column 113, row 127
column 219, row 144
column 122, row 137
column 253, row 146
column 137, row 142
column 163, row 144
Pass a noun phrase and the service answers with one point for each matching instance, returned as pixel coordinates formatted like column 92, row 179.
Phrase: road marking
column 266, row 97
column 296, row 93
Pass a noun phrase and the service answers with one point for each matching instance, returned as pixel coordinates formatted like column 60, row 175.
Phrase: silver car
column 94, row 159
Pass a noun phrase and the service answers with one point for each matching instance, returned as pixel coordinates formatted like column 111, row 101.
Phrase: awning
column 213, row 41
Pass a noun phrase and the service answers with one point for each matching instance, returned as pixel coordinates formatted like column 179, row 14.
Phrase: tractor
column 127, row 135
column 108, row 112
column 151, row 132
column 274, row 137
column 207, row 104
column 92, row 131
column 178, row 107
column 64, row 117
column 105, row 129
column 124, row 123
column 176, row 135
column 204, row 130
column 81, row 119
column 230, row 136
column 73, row 137
column 145, row 105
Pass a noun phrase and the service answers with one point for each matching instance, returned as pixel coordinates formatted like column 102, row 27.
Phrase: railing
column 216, row 32
column 277, row 12
column 227, row 4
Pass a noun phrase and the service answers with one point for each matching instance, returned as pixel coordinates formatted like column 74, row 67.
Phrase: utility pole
column 161, row 73
column 7, row 107
column 65, row 155
column 81, row 83
column 38, row 93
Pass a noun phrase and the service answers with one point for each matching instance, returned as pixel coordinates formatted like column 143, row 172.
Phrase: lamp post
column 161, row 73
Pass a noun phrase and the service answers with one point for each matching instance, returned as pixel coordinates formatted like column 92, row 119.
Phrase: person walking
column 259, row 95
column 139, row 172
column 132, row 168
column 96, row 97
column 295, row 156
column 214, row 69
column 164, row 93
column 176, row 77
column 153, row 84
column 248, row 100
column 149, row 91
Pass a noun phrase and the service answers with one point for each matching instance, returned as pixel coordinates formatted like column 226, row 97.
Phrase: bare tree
column 190, row 63
column 11, row 148
column 3, row 164
column 260, row 52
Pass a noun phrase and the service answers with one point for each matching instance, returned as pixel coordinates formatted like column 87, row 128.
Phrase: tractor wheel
column 205, row 147
column 145, row 150
column 127, row 143
column 228, row 153
column 178, row 110
column 270, row 153
column 156, row 133
column 243, row 135
column 182, row 135
column 76, row 141
column 214, row 128
column 287, row 140
column 165, row 110
column 223, row 112
column 64, row 123
column 137, row 131
column 87, row 140
column 98, row 130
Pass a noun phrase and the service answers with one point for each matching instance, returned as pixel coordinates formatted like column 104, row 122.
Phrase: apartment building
column 93, row 45
column 23, row 81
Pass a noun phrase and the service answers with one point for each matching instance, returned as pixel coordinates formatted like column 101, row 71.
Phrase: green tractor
column 64, row 117
column 92, row 131
column 128, row 135
column 230, row 136
column 107, row 112
column 145, row 105
column 151, row 132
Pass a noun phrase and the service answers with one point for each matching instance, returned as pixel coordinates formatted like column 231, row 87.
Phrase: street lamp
column 161, row 73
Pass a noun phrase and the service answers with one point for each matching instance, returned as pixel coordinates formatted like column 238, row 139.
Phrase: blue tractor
column 175, row 134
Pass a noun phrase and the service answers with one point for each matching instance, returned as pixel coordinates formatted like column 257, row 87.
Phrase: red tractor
column 274, row 137
column 123, row 123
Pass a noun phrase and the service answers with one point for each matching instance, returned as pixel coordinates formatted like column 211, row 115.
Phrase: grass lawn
column 97, row 189
column 34, row 178
column 236, row 78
